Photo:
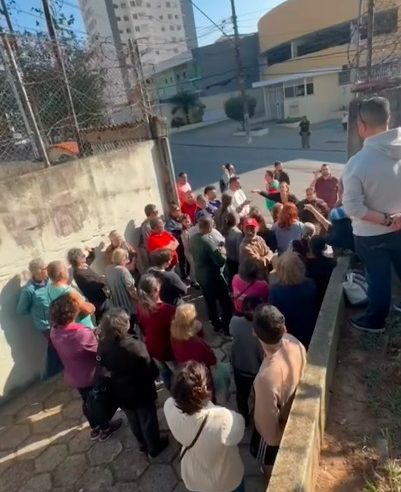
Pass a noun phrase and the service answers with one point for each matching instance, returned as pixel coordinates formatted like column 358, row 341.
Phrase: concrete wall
column 324, row 104
column 217, row 66
column 45, row 213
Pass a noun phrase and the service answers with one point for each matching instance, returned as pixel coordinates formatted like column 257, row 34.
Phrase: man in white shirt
column 240, row 203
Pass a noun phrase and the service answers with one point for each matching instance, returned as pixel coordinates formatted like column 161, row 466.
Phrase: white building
column 162, row 29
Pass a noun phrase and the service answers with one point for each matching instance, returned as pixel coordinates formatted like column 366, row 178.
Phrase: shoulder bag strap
column 243, row 291
column 187, row 448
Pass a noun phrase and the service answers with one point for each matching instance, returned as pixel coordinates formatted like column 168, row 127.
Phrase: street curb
column 297, row 462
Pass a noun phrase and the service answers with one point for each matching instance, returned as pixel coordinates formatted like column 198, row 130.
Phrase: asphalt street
column 201, row 152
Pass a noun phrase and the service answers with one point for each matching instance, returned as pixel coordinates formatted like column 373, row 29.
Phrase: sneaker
column 163, row 443
column 397, row 307
column 113, row 427
column 95, row 433
column 358, row 324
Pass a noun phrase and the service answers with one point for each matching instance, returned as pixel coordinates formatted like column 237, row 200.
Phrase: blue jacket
column 35, row 301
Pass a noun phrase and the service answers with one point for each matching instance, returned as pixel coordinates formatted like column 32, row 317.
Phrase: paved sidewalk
column 45, row 446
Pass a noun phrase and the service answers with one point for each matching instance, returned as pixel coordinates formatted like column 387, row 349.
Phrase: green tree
column 187, row 102
column 234, row 109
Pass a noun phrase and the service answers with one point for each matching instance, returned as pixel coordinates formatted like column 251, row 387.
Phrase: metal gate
column 274, row 102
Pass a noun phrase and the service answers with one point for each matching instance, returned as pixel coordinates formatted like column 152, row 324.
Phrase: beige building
column 308, row 54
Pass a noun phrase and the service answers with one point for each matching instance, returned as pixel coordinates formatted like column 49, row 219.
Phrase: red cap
column 250, row 223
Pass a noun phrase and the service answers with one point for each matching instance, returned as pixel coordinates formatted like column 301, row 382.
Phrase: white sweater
column 214, row 463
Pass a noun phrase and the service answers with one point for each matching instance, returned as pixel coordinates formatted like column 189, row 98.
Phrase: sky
column 24, row 16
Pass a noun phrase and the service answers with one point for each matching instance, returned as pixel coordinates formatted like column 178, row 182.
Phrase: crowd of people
column 121, row 334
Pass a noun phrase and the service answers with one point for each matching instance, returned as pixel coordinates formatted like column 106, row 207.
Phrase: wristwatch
column 388, row 220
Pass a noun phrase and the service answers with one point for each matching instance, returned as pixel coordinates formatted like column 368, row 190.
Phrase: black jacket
column 132, row 370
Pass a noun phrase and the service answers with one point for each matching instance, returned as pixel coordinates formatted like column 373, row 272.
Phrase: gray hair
column 308, row 230
column 73, row 255
column 374, row 112
column 36, row 264
column 114, row 325
column 148, row 285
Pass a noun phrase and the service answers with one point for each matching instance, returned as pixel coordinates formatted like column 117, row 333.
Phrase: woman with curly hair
column 77, row 346
column 187, row 337
column 209, row 434
column 288, row 228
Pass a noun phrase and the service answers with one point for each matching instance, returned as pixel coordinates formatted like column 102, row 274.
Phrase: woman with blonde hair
column 295, row 296
column 187, row 337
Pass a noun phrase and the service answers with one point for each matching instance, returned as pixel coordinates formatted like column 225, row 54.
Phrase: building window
column 170, row 16
column 135, row 16
column 148, row 5
column 137, row 28
column 120, row 31
column 309, row 87
column 344, row 77
column 279, row 54
column 173, row 39
column 118, row 18
column 386, row 22
column 123, row 5
column 171, row 80
column 176, row 16
column 128, row 30
column 160, row 17
column 323, row 39
column 139, row 3
column 157, row 52
column 163, row 28
column 178, row 76
column 171, row 28
column 166, row 81
column 132, row 4
column 184, row 75
column 299, row 88
column 168, row 4
column 178, row 28
column 126, row 18
column 115, row 6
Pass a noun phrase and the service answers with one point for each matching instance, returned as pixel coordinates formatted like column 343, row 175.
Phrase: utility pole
column 358, row 44
column 144, row 99
column 22, row 90
column 61, row 66
column 369, row 41
column 241, row 81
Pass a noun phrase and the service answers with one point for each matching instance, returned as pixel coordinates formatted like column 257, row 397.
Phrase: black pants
column 84, row 392
column 232, row 269
column 243, row 383
column 145, row 426
column 182, row 260
column 216, row 295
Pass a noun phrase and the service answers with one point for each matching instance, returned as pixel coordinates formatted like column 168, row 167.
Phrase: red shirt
column 327, row 190
column 190, row 209
column 156, row 329
column 160, row 240
column 195, row 349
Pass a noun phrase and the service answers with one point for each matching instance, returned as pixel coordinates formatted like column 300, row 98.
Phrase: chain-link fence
column 51, row 94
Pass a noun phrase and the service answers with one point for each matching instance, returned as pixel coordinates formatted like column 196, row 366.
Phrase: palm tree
column 186, row 101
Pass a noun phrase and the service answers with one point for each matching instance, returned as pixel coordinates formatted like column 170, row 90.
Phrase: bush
column 177, row 121
column 233, row 108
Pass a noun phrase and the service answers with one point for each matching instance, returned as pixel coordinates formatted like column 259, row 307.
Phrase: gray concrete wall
column 45, row 213
column 218, row 69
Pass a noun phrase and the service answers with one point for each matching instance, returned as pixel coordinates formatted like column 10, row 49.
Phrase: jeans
column 145, row 426
column 84, row 392
column 305, row 140
column 216, row 294
column 243, row 384
column 166, row 372
column 379, row 254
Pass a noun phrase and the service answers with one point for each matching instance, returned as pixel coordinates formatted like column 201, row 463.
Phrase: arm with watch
column 355, row 204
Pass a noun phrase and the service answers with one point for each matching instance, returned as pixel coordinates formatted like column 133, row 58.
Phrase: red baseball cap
column 251, row 223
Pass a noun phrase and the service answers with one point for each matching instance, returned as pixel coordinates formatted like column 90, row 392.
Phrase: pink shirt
column 242, row 289
column 182, row 190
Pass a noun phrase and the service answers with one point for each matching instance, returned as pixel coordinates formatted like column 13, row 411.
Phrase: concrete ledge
column 298, row 459
column 194, row 126
column 254, row 133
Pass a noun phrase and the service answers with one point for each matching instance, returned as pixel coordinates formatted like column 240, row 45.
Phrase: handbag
column 187, row 448
column 101, row 403
column 356, row 288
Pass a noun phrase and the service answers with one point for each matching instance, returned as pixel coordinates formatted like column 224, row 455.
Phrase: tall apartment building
column 163, row 29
